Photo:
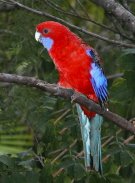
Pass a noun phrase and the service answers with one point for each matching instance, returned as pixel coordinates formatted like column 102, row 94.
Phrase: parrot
column 79, row 68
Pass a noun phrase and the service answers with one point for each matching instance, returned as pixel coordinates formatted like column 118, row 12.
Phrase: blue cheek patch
column 47, row 42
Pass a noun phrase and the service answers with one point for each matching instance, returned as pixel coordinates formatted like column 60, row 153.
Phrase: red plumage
column 69, row 55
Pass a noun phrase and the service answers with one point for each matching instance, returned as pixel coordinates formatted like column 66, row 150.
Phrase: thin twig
column 40, row 159
column 80, row 154
column 62, row 116
column 56, row 7
column 83, row 8
column 129, row 139
column 118, row 43
column 55, row 152
column 113, row 76
column 7, row 32
column 63, row 152
column 55, row 174
column 110, row 138
column 62, row 132
column 125, row 142
column 106, row 158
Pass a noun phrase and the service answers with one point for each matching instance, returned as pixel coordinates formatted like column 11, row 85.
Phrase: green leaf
column 130, row 77
column 7, row 161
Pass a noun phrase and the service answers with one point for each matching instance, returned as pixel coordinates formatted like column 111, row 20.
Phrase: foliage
column 35, row 127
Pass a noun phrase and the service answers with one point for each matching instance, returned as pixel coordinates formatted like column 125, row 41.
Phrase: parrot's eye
column 45, row 31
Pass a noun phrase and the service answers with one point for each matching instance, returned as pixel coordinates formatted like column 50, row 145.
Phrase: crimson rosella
column 78, row 65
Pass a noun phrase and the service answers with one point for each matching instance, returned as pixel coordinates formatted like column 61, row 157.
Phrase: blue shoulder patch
column 98, row 79
column 90, row 53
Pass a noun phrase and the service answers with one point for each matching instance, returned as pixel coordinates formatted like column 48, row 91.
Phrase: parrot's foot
column 104, row 107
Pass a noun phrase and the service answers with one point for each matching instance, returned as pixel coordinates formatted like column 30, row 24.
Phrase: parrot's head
column 52, row 33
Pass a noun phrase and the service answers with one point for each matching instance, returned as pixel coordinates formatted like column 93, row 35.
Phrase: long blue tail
column 90, row 129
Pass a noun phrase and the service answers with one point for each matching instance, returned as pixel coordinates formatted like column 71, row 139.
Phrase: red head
column 52, row 33
column 52, row 29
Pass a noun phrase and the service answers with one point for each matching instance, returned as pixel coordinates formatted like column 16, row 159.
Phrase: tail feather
column 90, row 130
column 96, row 142
column 85, row 131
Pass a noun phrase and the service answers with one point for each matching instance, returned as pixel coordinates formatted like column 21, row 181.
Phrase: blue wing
column 98, row 79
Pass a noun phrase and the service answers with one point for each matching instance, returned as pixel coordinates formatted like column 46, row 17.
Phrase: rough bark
column 121, row 14
column 68, row 94
column 7, row 7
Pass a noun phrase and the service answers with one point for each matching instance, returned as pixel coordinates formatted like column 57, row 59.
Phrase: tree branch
column 7, row 6
column 68, row 94
column 7, row 32
column 117, row 10
column 118, row 43
column 88, row 18
column 117, row 75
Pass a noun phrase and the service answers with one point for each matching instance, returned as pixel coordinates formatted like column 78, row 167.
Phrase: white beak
column 37, row 36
